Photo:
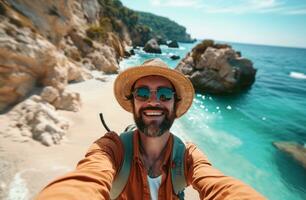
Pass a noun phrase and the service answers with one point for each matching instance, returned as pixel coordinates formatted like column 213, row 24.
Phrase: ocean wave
column 297, row 75
column 203, row 134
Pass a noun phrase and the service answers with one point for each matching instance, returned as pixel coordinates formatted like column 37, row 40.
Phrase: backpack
column 177, row 173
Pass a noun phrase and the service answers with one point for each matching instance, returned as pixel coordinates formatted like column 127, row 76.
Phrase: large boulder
column 297, row 151
column 152, row 47
column 103, row 61
column 65, row 100
column 70, row 101
column 37, row 119
column 217, row 68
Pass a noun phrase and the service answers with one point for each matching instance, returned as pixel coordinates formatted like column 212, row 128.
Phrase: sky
column 268, row 22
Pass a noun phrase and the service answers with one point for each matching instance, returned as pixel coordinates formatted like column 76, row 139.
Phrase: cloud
column 176, row 3
column 236, row 6
column 296, row 11
column 239, row 7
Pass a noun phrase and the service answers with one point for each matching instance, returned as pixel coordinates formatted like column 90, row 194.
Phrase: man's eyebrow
column 139, row 86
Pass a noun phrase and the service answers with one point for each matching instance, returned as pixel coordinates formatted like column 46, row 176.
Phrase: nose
column 153, row 99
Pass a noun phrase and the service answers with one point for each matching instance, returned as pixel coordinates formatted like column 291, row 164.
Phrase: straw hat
column 126, row 79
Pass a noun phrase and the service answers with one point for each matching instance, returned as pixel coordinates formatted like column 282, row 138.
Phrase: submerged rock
column 173, row 44
column 152, row 47
column 175, row 57
column 297, row 151
column 217, row 68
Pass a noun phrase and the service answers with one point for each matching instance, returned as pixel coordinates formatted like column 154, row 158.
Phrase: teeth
column 153, row 113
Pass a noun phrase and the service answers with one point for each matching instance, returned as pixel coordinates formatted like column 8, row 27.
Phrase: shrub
column 222, row 46
column 199, row 49
column 106, row 24
column 2, row 9
column 88, row 41
column 16, row 22
column 96, row 33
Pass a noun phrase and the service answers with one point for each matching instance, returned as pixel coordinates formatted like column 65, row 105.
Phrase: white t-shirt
column 154, row 184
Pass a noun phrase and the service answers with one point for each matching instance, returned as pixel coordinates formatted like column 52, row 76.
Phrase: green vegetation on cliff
column 200, row 48
column 164, row 27
column 141, row 26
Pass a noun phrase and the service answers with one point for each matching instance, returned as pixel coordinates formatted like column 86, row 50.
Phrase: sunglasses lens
column 165, row 94
column 142, row 93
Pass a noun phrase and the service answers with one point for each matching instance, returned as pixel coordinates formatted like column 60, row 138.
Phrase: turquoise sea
column 236, row 132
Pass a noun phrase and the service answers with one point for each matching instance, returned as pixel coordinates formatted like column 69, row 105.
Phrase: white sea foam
column 18, row 188
column 297, row 75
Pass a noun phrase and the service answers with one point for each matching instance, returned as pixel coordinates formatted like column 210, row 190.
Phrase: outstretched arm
column 93, row 176
column 211, row 183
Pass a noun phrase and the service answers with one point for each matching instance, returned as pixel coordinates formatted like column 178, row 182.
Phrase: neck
column 153, row 146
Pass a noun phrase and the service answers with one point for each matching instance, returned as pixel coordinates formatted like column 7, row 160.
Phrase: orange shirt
column 93, row 176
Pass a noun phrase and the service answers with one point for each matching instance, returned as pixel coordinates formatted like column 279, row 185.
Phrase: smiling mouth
column 153, row 113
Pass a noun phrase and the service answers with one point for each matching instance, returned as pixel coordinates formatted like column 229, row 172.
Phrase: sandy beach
column 26, row 167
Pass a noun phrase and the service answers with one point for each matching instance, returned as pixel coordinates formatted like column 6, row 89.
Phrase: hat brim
column 125, row 80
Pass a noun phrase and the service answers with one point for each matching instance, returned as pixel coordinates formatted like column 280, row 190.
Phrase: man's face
column 154, row 117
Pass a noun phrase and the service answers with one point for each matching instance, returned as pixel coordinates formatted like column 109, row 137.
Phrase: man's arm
column 211, row 183
column 93, row 176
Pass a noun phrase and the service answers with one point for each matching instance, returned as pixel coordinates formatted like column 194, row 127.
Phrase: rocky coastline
column 47, row 45
column 52, row 54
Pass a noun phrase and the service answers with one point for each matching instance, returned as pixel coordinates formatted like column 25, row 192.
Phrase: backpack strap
column 124, row 172
column 177, row 172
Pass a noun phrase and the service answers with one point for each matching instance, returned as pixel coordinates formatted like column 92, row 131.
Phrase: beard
column 154, row 128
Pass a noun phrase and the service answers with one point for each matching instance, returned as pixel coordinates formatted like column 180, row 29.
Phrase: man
column 156, row 95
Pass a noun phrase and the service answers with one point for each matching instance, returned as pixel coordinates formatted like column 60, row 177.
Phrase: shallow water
column 236, row 132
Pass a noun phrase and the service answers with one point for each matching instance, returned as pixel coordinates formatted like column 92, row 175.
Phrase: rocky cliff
column 44, row 43
column 164, row 28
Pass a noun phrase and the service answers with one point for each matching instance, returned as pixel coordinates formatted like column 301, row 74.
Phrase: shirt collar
column 136, row 154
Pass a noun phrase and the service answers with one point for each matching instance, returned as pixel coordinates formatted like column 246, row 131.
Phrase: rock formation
column 37, row 119
column 70, row 101
column 152, row 47
column 44, row 43
column 173, row 44
column 297, row 151
column 175, row 57
column 217, row 68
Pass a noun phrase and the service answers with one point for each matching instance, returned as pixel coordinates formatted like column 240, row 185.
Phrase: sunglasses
column 162, row 93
